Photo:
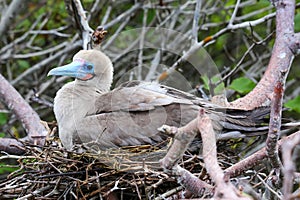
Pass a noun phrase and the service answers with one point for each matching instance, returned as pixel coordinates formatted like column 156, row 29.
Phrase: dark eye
column 89, row 67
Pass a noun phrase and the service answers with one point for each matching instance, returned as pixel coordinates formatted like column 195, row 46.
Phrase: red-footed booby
column 89, row 113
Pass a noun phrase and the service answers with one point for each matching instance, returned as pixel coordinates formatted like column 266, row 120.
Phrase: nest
column 54, row 173
column 131, row 172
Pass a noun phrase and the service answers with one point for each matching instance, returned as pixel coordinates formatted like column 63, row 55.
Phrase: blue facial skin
column 79, row 69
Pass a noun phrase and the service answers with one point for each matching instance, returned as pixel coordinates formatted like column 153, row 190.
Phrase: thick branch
column 255, row 159
column 280, row 61
column 192, row 182
column 275, row 123
column 183, row 137
column 224, row 189
column 28, row 117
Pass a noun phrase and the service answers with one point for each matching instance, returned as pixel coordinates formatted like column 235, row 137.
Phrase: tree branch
column 8, row 16
column 27, row 116
column 288, row 165
column 280, row 61
column 256, row 158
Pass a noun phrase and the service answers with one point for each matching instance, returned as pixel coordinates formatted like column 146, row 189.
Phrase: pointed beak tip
column 50, row 73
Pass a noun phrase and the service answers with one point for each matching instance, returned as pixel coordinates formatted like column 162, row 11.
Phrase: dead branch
column 76, row 10
column 192, row 183
column 6, row 19
column 224, row 189
column 280, row 61
column 288, row 165
column 183, row 137
column 256, row 158
column 275, row 123
column 27, row 116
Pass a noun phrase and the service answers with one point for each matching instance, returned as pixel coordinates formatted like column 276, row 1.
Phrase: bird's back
column 132, row 113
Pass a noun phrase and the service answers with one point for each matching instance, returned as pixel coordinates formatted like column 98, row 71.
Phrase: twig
column 41, row 64
column 234, row 70
column 194, row 48
column 116, row 34
column 7, row 49
column 35, row 192
column 169, row 193
column 196, row 20
column 8, row 16
column 86, row 29
column 288, row 166
column 141, row 46
column 107, row 13
column 269, row 188
column 123, row 15
column 233, row 16
column 39, row 53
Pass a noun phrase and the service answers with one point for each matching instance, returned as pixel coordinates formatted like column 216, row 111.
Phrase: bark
column 27, row 116
column 281, row 59
column 256, row 158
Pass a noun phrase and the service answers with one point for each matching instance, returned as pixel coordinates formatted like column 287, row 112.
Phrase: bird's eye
column 89, row 67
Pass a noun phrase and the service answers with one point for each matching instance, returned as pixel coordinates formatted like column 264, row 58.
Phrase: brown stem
column 183, row 137
column 192, row 183
column 275, row 123
column 224, row 189
column 256, row 158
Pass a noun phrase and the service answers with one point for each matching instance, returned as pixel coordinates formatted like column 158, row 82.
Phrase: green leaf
column 242, row 85
column 219, row 89
column 4, row 168
column 23, row 64
column 3, row 118
column 297, row 20
column 294, row 104
column 2, row 135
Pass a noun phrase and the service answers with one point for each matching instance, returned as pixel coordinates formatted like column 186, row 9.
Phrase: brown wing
column 137, row 96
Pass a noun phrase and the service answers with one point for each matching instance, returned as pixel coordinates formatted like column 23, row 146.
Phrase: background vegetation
column 43, row 35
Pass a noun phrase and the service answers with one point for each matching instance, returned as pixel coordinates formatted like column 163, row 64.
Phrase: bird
column 89, row 113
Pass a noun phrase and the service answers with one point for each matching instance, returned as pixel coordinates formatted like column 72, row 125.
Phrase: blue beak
column 79, row 69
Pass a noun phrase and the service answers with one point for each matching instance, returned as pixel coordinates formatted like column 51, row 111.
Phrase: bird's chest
column 70, row 107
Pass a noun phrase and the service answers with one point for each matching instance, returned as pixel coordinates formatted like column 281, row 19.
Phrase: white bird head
column 89, row 67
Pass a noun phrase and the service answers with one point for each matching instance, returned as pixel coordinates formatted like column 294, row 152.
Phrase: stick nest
column 132, row 172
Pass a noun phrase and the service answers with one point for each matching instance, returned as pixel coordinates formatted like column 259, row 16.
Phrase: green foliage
column 219, row 89
column 4, row 168
column 293, row 104
column 255, row 7
column 3, row 118
column 151, row 15
column 23, row 64
column 297, row 22
column 2, row 135
column 242, row 85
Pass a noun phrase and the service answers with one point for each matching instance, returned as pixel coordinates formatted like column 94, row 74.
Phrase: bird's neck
column 75, row 100
column 100, row 84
